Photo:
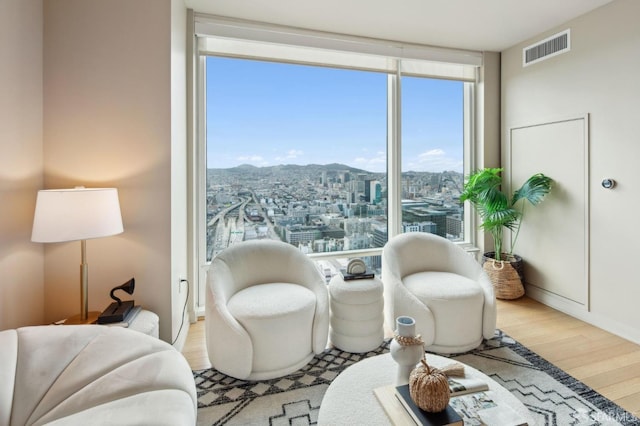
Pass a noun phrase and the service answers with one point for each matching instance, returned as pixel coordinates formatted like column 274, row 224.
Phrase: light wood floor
column 605, row 362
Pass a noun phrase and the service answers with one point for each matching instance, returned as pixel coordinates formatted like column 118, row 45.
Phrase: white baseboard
column 199, row 312
column 581, row 312
column 555, row 301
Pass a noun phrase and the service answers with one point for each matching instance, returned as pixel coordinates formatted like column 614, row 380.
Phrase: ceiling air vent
column 545, row 49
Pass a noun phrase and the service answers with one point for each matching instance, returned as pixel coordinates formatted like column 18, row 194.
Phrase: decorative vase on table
column 407, row 348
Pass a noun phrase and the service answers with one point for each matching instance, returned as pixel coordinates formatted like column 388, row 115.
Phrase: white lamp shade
column 76, row 214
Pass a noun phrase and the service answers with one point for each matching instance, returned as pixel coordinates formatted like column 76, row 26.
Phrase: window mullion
column 469, row 157
column 200, row 184
column 394, row 151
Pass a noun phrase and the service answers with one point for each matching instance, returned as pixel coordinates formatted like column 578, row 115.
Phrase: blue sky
column 266, row 114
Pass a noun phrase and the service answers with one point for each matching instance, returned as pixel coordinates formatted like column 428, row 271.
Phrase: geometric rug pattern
column 552, row 396
column 224, row 400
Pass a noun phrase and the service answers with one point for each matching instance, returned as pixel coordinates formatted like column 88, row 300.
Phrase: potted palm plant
column 498, row 212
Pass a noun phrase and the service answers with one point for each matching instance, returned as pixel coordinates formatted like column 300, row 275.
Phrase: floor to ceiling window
column 433, row 156
column 295, row 153
column 332, row 153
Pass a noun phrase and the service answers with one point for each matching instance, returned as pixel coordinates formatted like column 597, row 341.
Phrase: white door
column 553, row 239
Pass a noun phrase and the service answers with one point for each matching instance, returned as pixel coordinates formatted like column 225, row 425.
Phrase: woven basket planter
column 507, row 276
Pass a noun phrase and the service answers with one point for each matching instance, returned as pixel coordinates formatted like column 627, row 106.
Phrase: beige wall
column 597, row 77
column 112, row 98
column 21, row 262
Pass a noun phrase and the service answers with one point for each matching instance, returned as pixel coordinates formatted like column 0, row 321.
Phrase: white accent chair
column 267, row 310
column 92, row 375
column 442, row 287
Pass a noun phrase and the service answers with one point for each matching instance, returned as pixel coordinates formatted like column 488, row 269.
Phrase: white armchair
column 71, row 375
column 443, row 288
column 267, row 310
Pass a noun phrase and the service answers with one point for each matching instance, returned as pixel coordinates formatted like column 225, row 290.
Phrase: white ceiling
column 483, row 25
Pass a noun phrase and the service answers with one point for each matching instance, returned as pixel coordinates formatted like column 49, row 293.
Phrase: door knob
column 608, row 183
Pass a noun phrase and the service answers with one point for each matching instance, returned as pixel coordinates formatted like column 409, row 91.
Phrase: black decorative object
column 118, row 310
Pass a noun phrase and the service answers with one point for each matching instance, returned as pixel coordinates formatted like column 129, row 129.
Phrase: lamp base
column 92, row 317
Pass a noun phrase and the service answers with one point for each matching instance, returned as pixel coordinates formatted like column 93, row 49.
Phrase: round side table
column 356, row 322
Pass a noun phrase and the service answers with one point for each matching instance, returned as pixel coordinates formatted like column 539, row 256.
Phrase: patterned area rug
column 552, row 396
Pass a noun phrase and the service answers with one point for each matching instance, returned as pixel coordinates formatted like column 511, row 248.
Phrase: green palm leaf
column 480, row 184
column 506, row 218
column 533, row 190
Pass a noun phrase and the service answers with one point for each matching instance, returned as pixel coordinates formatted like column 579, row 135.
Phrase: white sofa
column 445, row 290
column 267, row 310
column 92, row 375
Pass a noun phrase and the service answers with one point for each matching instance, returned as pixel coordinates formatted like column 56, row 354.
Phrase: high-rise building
column 454, row 227
column 372, row 191
column 367, row 190
column 297, row 234
column 376, row 192
column 380, row 235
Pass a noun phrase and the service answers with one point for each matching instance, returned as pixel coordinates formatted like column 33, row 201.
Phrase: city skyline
column 268, row 114
column 325, row 208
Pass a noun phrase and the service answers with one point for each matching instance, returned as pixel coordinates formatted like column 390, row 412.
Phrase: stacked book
column 471, row 403
column 363, row 276
column 128, row 317
column 448, row 416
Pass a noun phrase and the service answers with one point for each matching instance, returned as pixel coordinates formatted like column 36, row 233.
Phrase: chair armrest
column 228, row 344
column 310, row 278
column 490, row 310
column 400, row 301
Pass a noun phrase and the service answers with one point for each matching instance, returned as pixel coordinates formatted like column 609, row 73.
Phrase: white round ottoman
column 356, row 307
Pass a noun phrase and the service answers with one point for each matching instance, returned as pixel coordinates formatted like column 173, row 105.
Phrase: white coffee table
column 350, row 400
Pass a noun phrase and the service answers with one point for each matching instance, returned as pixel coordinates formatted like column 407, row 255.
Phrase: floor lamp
column 77, row 214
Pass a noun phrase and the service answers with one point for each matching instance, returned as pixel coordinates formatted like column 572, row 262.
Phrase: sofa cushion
column 453, row 299
column 278, row 317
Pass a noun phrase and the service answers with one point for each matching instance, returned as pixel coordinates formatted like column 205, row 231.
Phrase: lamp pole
column 84, row 282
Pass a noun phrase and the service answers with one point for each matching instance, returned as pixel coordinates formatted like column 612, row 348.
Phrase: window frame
column 394, row 156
